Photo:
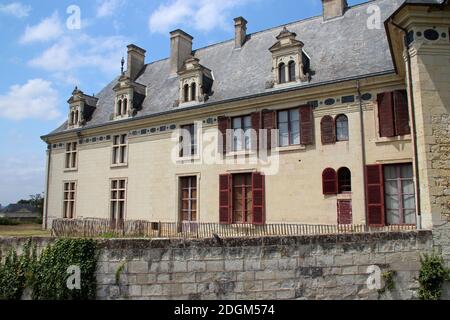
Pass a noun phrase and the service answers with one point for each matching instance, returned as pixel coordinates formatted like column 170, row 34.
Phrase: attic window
column 193, row 91
column 186, row 93
column 282, row 73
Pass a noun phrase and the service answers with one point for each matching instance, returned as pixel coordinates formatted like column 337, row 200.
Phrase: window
column 291, row 71
column 282, row 73
column 289, row 127
column 119, row 107
column 118, row 202
column 242, row 133
column 119, row 154
column 242, row 198
column 193, row 91
column 393, row 114
column 345, row 215
column 69, row 200
column 342, row 128
column 186, row 93
column 188, row 141
column 188, row 199
column 125, row 107
column 399, row 194
column 76, row 117
column 71, row 155
column 344, row 180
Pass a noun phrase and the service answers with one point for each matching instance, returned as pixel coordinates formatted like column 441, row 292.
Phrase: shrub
column 431, row 277
column 8, row 222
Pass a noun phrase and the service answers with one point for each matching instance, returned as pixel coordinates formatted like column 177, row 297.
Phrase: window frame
column 289, row 127
column 282, row 73
column 120, row 147
column 336, row 127
column 400, row 194
column 243, row 137
column 292, row 71
column 190, row 199
column 115, row 202
column 193, row 143
column 70, row 155
column 340, row 182
column 245, row 188
column 68, row 201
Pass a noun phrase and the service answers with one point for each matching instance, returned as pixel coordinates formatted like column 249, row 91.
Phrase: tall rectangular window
column 242, row 133
column 71, row 155
column 118, row 201
column 289, row 127
column 119, row 151
column 400, row 194
column 188, row 141
column 188, row 199
column 242, row 198
column 69, row 200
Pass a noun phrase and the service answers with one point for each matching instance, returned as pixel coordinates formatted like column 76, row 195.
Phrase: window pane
column 295, row 132
column 247, row 122
column 284, row 134
column 391, row 187
column 390, row 172
column 407, row 172
column 392, row 202
column 282, row 116
column 122, row 184
column 237, row 123
column 409, row 202
column 123, row 139
column 294, row 115
column 408, row 187
column 410, row 216
column 393, row 217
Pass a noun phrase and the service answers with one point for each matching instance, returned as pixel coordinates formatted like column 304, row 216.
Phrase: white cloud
column 107, row 8
column 83, row 51
column 48, row 29
column 203, row 15
column 15, row 9
column 35, row 99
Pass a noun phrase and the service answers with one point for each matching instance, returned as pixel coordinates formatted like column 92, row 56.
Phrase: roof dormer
column 290, row 63
column 81, row 108
column 196, row 82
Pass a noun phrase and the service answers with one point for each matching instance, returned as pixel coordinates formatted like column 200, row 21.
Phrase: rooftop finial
column 122, row 63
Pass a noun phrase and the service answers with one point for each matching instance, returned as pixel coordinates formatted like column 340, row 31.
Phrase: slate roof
column 14, row 208
column 339, row 49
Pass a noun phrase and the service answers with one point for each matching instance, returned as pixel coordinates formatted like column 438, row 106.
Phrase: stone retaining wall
column 308, row 267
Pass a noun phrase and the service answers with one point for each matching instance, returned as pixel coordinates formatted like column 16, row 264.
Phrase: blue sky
column 42, row 59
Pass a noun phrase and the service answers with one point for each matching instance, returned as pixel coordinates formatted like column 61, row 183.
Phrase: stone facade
column 310, row 267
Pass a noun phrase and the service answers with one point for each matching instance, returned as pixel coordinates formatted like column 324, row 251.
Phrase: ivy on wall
column 432, row 275
column 46, row 276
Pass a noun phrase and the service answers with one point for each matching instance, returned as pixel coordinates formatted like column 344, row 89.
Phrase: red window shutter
column 256, row 125
column 345, row 215
column 401, row 113
column 329, row 182
column 268, row 123
column 306, row 125
column 375, row 195
column 225, row 198
column 224, row 125
column 386, row 114
column 328, row 130
column 258, row 206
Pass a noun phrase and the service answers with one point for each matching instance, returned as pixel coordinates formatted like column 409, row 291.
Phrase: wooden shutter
column 401, row 113
column 386, row 114
column 268, row 123
column 225, row 199
column 329, row 182
column 258, row 192
column 256, row 125
column 375, row 195
column 328, row 130
column 345, row 215
column 224, row 125
column 306, row 125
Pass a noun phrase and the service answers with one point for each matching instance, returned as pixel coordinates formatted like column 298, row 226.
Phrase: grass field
column 23, row 230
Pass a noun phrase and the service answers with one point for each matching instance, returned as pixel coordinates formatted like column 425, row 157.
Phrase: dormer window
column 129, row 98
column 81, row 108
column 289, row 59
column 195, row 82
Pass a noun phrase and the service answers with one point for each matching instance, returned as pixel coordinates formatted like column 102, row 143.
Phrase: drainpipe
column 47, row 180
column 414, row 126
column 363, row 148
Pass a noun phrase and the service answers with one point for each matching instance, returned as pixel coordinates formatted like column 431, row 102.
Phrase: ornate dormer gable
column 290, row 63
column 196, row 82
column 129, row 96
column 81, row 108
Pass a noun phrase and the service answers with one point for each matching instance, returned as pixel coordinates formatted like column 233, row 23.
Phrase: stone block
column 152, row 290
column 214, row 266
column 234, row 265
column 252, row 265
column 285, row 294
column 135, row 291
column 189, row 288
column 180, row 266
column 198, row 266
column 138, row 267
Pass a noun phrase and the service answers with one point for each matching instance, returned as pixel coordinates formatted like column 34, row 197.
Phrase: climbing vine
column 46, row 276
column 431, row 277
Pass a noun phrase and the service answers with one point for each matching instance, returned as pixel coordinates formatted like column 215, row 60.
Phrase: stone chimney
column 180, row 49
column 240, row 27
column 135, row 61
column 333, row 8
